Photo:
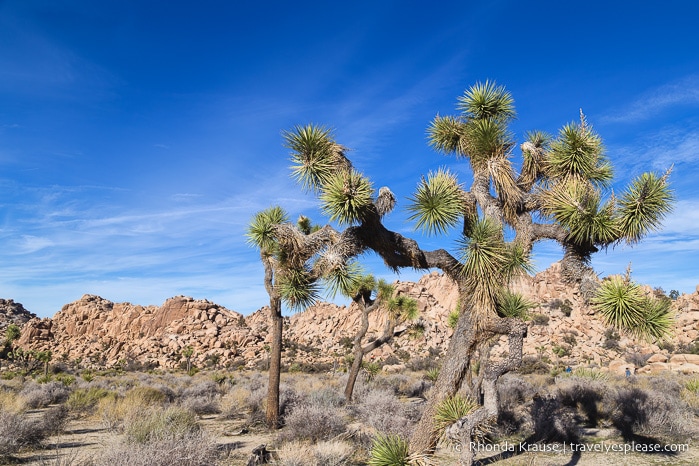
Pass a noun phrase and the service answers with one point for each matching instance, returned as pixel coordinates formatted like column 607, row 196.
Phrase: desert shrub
column 328, row 397
column 82, row 401
column 202, row 406
column 584, row 396
column 637, row 359
column 651, row 413
column 539, row 319
column 192, row 449
column 18, row 432
column 533, row 365
column 314, row 422
column 667, row 385
column 551, row 421
column 422, row 364
column 207, row 388
column 611, row 339
column 54, row 420
column 65, row 379
column 333, row 453
column 383, row 411
column 513, row 393
column 42, row 395
column 162, row 424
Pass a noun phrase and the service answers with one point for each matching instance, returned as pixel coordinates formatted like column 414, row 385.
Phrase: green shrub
column 540, row 319
column 84, row 400
column 158, row 424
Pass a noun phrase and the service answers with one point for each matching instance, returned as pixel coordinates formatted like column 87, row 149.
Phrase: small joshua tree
column 371, row 295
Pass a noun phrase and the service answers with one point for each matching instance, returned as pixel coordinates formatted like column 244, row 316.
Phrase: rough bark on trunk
column 457, row 362
column 354, row 372
column 275, row 360
column 464, row 430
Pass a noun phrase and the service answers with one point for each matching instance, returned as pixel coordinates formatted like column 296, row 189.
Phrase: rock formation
column 99, row 333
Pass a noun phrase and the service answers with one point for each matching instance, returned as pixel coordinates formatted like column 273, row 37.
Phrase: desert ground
column 217, row 417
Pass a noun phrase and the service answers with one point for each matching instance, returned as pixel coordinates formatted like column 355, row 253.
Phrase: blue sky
column 138, row 138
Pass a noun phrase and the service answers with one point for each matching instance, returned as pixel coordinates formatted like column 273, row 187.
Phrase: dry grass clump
column 333, row 453
column 299, row 453
column 115, row 411
column 83, row 401
column 189, row 450
column 161, row 437
column 11, row 401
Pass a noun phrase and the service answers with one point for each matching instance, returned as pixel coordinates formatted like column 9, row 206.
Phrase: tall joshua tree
column 286, row 279
column 558, row 194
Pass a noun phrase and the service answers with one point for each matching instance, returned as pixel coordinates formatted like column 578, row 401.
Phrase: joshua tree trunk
column 463, row 345
column 457, row 362
column 354, row 372
column 275, row 360
column 464, row 430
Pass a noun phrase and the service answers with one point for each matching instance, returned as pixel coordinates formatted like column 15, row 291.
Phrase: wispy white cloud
column 683, row 92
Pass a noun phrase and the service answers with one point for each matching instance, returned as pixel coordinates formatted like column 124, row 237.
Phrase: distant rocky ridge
column 13, row 313
column 100, row 333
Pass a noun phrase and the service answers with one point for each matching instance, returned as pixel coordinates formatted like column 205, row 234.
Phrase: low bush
column 44, row 394
column 192, row 449
column 17, row 432
column 162, row 424
column 383, row 411
column 313, row 422
column 83, row 401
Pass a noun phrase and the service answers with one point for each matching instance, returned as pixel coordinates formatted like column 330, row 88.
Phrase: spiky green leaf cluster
column 445, row 135
column 346, row 197
column 314, row 155
column 389, row 450
column 260, row 233
column 624, row 306
column 487, row 101
column 511, row 304
column 403, row 307
column 578, row 152
column 576, row 205
column 455, row 407
column 298, row 289
column 437, row 204
column 644, row 205
column 347, row 280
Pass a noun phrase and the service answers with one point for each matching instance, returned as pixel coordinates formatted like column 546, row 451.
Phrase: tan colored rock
column 678, row 359
column 657, row 358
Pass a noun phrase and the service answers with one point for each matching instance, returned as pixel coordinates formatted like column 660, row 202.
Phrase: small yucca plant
column 389, row 450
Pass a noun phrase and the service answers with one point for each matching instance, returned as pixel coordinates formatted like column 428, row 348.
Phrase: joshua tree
column 370, row 295
column 187, row 352
column 557, row 195
column 286, row 279
column 12, row 334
